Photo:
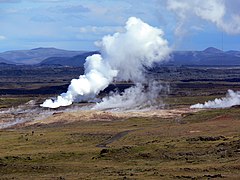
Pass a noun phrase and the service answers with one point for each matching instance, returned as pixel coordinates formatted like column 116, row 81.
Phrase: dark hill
column 210, row 56
column 35, row 56
column 212, row 50
column 4, row 61
column 53, row 56
column 78, row 60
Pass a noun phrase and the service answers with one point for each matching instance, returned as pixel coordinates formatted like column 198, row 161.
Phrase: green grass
column 7, row 102
column 194, row 146
column 212, row 113
column 174, row 101
column 157, row 149
column 200, row 145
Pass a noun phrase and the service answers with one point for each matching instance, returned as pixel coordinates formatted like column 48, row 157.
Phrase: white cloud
column 2, row 37
column 100, row 29
column 197, row 28
column 74, row 9
column 214, row 11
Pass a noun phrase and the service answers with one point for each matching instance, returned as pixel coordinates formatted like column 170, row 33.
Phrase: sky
column 78, row 24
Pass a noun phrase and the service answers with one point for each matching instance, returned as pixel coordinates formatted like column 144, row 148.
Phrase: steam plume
column 123, row 56
column 98, row 75
column 225, row 15
column 137, row 97
column 232, row 98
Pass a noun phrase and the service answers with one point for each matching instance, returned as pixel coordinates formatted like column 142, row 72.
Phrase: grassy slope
column 201, row 146
column 7, row 102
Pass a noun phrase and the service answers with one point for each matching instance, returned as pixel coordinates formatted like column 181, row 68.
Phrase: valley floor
column 190, row 145
column 174, row 143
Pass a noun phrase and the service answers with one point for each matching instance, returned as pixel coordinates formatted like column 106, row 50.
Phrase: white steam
column 98, row 74
column 123, row 56
column 232, row 99
column 225, row 14
column 137, row 97
column 138, row 47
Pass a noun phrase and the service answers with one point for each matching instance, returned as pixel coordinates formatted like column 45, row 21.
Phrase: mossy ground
column 200, row 145
column 10, row 101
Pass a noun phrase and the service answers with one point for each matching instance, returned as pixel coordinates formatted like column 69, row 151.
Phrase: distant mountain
column 4, row 61
column 212, row 50
column 35, row 56
column 235, row 53
column 210, row 56
column 52, row 56
column 78, row 60
column 4, row 65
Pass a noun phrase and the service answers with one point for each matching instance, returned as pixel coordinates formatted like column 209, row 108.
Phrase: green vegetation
column 183, row 101
column 198, row 146
column 232, row 113
column 7, row 102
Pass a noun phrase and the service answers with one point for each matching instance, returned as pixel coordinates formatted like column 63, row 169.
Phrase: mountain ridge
column 36, row 55
column 53, row 56
column 77, row 60
column 2, row 60
column 212, row 50
column 209, row 56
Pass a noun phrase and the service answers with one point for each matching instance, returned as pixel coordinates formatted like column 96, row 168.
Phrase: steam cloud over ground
column 137, row 97
column 232, row 99
column 123, row 57
column 222, row 13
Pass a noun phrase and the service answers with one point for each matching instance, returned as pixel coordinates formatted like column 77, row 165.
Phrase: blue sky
column 77, row 24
